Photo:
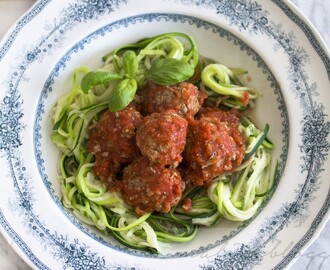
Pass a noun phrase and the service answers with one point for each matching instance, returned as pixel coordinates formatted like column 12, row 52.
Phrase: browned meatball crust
column 150, row 187
column 112, row 141
column 162, row 137
column 185, row 98
column 214, row 145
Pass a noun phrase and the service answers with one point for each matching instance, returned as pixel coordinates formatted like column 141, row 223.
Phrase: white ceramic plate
column 287, row 62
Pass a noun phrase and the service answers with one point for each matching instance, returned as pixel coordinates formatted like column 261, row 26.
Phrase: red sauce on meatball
column 232, row 116
column 185, row 98
column 147, row 151
column 149, row 187
column 162, row 137
column 214, row 145
column 112, row 141
column 187, row 204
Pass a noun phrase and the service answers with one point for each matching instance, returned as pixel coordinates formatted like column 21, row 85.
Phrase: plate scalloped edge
column 315, row 151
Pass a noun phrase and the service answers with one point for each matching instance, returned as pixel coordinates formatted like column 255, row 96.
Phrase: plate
column 287, row 63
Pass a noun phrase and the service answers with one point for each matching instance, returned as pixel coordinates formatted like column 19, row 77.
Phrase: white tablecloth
column 317, row 256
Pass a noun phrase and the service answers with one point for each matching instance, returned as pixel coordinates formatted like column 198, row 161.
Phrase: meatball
column 112, row 141
column 162, row 136
column 151, row 187
column 214, row 145
column 185, row 98
column 231, row 117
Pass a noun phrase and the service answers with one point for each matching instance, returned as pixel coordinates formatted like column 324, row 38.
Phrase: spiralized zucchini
column 219, row 79
column 235, row 196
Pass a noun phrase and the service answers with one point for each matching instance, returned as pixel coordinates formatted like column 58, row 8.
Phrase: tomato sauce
column 162, row 137
column 112, row 141
column 153, row 150
column 151, row 187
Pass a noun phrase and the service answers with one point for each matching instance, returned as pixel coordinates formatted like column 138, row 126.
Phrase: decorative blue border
column 20, row 243
column 252, row 18
column 308, row 32
column 20, row 24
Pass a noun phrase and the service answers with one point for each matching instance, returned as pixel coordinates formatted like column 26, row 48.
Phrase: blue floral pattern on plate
column 247, row 16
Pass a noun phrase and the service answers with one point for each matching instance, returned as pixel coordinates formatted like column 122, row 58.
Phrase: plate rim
column 314, row 34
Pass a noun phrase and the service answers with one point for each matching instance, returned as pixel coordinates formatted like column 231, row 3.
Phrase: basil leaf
column 94, row 78
column 130, row 63
column 122, row 94
column 169, row 71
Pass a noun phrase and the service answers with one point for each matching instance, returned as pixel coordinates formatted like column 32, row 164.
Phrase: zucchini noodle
column 219, row 79
column 235, row 196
